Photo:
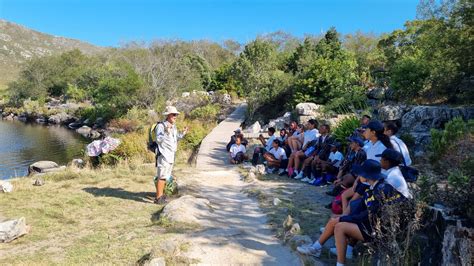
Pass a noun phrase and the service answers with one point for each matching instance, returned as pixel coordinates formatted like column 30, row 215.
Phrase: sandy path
column 237, row 231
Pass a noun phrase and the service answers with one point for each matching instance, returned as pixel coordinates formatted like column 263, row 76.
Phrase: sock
column 349, row 249
column 339, row 264
column 317, row 245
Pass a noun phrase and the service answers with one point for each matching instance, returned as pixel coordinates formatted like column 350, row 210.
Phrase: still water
column 23, row 144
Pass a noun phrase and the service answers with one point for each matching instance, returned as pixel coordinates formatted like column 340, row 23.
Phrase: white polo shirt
column 402, row 148
column 234, row 149
column 269, row 142
column 279, row 153
column 396, row 179
column 336, row 156
column 310, row 135
column 373, row 149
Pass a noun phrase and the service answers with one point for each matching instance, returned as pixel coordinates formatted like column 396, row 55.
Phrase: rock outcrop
column 12, row 229
column 187, row 209
column 42, row 167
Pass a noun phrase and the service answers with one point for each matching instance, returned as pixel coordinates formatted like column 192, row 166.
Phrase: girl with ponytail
column 377, row 140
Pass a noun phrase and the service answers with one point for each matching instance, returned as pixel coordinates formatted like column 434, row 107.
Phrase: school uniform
column 396, row 179
column 373, row 149
column 280, row 154
column 402, row 148
column 237, row 152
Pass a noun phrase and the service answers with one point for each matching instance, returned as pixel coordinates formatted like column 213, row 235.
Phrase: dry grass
column 85, row 217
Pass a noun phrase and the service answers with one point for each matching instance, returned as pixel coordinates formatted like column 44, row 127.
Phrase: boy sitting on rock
column 237, row 151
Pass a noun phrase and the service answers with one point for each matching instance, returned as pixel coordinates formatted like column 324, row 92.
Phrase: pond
column 23, row 144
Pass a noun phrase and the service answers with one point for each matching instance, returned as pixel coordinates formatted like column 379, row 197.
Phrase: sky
column 112, row 23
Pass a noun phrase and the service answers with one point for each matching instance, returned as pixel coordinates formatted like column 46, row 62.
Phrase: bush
column 207, row 112
column 348, row 102
column 125, row 124
column 345, row 128
column 442, row 140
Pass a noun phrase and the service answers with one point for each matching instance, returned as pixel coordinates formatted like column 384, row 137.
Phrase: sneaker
column 161, row 200
column 270, row 170
column 348, row 253
column 299, row 176
column 319, row 182
column 311, row 180
column 305, row 179
column 309, row 250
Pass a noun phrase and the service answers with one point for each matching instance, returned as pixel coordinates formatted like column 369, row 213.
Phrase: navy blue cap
column 357, row 139
column 369, row 169
column 335, row 144
column 375, row 125
column 391, row 154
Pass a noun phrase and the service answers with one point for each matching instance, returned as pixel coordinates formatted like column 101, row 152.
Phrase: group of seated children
column 366, row 178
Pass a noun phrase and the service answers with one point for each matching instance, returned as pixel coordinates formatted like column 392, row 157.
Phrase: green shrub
column 207, row 112
column 458, row 179
column 442, row 140
column 345, row 128
column 348, row 102
column 428, row 189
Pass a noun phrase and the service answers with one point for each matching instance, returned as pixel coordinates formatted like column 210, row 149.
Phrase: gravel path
column 237, row 230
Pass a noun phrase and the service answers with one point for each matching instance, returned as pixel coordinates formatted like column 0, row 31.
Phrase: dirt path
column 237, row 231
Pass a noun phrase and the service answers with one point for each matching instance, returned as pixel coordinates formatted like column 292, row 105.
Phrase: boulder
column 279, row 122
column 251, row 176
column 226, row 99
column 254, row 128
column 260, row 169
column 276, row 201
column 458, row 240
column 61, row 118
column 308, row 109
column 5, row 187
column 84, row 131
column 187, row 209
column 79, row 163
column 185, row 94
column 12, row 229
column 423, row 118
column 38, row 182
column 156, row 262
column 288, row 223
column 391, row 112
column 303, row 119
column 377, row 93
column 94, row 134
column 76, row 125
column 41, row 120
column 44, row 167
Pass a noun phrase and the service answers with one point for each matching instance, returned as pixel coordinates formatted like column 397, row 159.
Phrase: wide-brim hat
column 369, row 169
column 170, row 110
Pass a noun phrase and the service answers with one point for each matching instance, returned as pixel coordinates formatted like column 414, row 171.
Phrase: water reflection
column 22, row 144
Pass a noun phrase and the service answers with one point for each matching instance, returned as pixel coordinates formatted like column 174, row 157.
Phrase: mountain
column 19, row 44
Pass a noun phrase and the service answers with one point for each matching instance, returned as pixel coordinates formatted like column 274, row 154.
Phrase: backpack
column 151, row 143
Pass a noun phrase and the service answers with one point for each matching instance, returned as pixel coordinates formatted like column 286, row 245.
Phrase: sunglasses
column 174, row 114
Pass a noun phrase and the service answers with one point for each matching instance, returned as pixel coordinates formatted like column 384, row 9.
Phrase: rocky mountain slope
column 19, row 44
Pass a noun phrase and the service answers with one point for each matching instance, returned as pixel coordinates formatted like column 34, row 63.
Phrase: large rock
column 377, row 93
column 279, row 122
column 458, row 240
column 391, row 112
column 12, row 229
column 187, row 209
column 303, row 119
column 44, row 167
column 423, row 118
column 84, row 131
column 61, row 118
column 254, row 128
column 308, row 109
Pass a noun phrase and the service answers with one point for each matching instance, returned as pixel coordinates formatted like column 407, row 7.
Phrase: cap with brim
column 375, row 125
column 369, row 169
column 390, row 154
column 357, row 140
column 170, row 110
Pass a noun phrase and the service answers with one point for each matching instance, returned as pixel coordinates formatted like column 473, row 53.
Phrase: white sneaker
column 281, row 171
column 305, row 179
column 311, row 180
column 348, row 253
column 309, row 250
column 299, row 176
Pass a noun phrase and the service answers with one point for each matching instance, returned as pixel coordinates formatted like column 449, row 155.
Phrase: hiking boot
column 161, row 200
column 349, row 254
column 309, row 250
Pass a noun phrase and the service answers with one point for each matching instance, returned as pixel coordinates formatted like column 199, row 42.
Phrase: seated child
column 327, row 170
column 276, row 157
column 237, row 151
column 267, row 145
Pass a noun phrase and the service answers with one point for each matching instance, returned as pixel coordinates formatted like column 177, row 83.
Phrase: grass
column 86, row 217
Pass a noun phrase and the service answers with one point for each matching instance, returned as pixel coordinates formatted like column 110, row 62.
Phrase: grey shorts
column 164, row 169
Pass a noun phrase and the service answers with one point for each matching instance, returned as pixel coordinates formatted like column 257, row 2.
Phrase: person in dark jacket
column 375, row 196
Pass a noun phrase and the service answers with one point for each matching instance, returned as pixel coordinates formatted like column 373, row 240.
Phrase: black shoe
column 161, row 200
column 329, row 206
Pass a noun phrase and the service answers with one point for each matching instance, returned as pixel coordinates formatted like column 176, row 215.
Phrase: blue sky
column 110, row 23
